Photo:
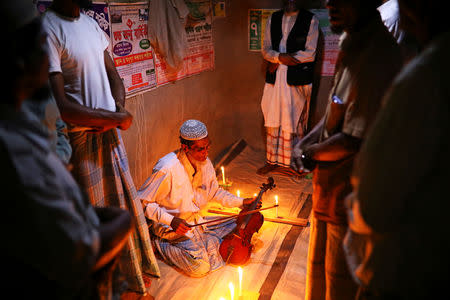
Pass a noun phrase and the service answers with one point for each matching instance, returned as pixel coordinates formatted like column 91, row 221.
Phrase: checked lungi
column 101, row 168
column 279, row 146
column 199, row 254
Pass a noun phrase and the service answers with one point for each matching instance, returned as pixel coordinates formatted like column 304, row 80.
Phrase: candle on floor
column 240, row 281
column 231, row 286
column 276, row 203
column 223, row 175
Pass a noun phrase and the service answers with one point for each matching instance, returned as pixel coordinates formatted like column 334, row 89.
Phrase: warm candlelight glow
column 240, row 281
column 223, row 174
column 276, row 203
column 221, row 298
column 255, row 194
column 238, row 193
column 231, row 286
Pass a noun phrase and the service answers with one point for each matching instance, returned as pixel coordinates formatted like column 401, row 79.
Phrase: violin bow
column 232, row 217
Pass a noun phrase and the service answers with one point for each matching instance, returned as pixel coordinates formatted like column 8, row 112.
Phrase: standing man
column 91, row 97
column 368, row 61
column 399, row 207
column 290, row 43
column 181, row 186
column 390, row 16
column 55, row 245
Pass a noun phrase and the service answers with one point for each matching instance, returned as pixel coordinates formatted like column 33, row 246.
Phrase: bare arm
column 311, row 138
column 75, row 113
column 336, row 147
column 117, row 87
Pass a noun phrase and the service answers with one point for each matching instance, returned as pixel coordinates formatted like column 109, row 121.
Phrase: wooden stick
column 233, row 216
column 290, row 221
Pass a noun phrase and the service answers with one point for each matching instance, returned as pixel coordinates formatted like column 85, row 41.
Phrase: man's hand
column 288, row 59
column 180, row 226
column 127, row 117
column 296, row 162
column 272, row 67
column 116, row 225
column 248, row 201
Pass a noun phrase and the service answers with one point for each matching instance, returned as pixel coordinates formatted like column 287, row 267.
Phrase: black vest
column 300, row 74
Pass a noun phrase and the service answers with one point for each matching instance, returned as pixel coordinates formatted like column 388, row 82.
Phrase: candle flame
column 240, row 280
column 231, row 286
column 223, row 175
column 276, row 199
column 255, row 194
column 238, row 193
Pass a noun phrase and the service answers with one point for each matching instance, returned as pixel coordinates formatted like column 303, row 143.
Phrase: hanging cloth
column 167, row 32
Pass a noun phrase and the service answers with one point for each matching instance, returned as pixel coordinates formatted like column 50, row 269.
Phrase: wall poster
column 200, row 45
column 257, row 19
column 331, row 43
column 132, row 53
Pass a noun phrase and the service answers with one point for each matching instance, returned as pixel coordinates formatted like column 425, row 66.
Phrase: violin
column 236, row 247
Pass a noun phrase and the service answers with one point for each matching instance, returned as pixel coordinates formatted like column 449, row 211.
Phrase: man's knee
column 199, row 268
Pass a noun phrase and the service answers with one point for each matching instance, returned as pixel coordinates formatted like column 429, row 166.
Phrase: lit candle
column 240, row 281
column 223, row 174
column 238, row 193
column 276, row 203
column 231, row 286
column 255, row 194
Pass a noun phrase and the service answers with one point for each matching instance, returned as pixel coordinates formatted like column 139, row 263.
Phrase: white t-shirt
column 76, row 49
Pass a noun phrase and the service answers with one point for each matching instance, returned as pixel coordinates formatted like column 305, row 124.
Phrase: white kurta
column 281, row 103
column 175, row 189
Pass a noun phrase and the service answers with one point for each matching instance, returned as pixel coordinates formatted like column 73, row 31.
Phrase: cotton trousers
column 327, row 276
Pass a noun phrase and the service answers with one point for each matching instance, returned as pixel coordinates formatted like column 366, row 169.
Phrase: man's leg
column 285, row 149
column 214, row 235
column 272, row 145
column 190, row 256
column 340, row 284
column 315, row 274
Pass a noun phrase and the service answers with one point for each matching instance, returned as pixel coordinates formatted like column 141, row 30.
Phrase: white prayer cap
column 193, row 130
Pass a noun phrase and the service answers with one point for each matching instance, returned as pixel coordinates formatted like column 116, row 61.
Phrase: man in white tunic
column 182, row 184
column 290, row 43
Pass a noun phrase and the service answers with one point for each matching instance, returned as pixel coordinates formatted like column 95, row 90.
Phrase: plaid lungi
column 101, row 168
column 279, row 147
column 198, row 255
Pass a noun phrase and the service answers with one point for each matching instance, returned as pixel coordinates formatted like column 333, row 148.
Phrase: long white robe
column 282, row 104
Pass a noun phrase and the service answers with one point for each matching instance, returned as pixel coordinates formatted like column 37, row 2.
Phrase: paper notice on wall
column 257, row 19
column 200, row 56
column 331, row 42
column 132, row 53
column 218, row 9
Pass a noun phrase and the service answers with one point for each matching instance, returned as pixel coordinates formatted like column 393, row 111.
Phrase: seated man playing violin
column 181, row 185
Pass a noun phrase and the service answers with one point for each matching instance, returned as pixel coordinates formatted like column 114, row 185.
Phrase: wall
column 227, row 99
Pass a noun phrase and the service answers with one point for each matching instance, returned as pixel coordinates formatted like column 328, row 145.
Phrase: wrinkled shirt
column 50, row 225
column 175, row 190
